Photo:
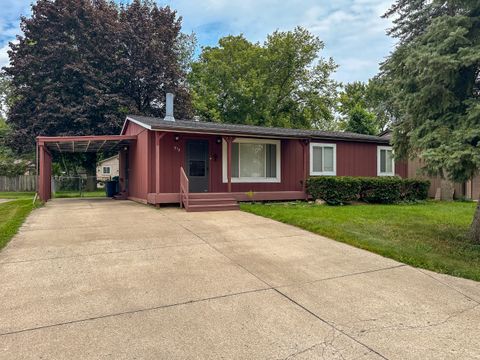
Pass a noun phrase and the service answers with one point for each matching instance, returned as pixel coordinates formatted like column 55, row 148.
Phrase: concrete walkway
column 100, row 279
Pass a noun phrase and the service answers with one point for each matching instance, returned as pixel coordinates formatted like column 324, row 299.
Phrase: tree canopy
column 361, row 121
column 81, row 65
column 282, row 82
column 363, row 107
column 434, row 75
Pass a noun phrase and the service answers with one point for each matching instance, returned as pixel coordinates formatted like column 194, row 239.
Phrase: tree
column 361, row 121
column 9, row 164
column 153, row 57
column 368, row 101
column 434, row 75
column 280, row 83
column 82, row 65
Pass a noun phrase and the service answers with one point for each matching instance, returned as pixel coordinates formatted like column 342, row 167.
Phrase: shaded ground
column 113, row 279
column 432, row 235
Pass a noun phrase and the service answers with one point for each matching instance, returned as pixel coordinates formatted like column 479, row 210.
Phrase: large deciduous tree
column 81, row 65
column 282, row 82
column 434, row 75
column 363, row 107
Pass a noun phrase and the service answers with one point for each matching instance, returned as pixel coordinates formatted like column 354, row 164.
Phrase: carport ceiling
column 82, row 144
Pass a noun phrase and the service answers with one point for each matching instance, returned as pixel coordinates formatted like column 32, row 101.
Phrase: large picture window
column 323, row 159
column 253, row 160
column 385, row 161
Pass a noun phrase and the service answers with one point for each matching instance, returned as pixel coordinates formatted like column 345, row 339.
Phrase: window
column 323, row 159
column 385, row 161
column 106, row 170
column 253, row 160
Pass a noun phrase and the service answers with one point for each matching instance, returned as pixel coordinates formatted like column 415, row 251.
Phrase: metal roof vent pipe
column 169, row 107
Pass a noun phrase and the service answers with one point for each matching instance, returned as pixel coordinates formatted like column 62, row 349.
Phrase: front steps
column 211, row 202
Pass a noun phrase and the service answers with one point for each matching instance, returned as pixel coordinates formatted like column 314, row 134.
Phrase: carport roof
column 78, row 144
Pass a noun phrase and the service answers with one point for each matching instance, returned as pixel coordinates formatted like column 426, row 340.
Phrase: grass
column 17, row 195
column 76, row 194
column 430, row 235
column 13, row 213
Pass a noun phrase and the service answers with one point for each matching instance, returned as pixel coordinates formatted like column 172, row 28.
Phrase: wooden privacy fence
column 18, row 183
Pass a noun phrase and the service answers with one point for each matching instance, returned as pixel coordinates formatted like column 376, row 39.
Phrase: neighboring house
column 207, row 165
column 469, row 189
column 108, row 168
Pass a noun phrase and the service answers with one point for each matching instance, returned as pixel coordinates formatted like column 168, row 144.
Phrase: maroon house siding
column 172, row 156
column 150, row 160
column 138, row 162
column 352, row 159
column 360, row 159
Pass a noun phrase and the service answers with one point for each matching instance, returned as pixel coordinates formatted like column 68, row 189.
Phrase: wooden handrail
column 184, row 186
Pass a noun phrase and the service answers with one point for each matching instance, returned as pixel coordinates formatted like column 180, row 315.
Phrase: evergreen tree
column 434, row 76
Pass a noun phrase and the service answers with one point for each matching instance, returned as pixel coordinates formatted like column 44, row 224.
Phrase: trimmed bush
column 414, row 189
column 337, row 190
column 381, row 190
column 334, row 190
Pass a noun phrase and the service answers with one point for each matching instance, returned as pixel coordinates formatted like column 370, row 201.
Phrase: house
column 469, row 189
column 212, row 166
column 108, row 168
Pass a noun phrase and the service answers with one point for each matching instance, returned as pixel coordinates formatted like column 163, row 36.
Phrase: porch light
column 176, row 137
column 219, row 140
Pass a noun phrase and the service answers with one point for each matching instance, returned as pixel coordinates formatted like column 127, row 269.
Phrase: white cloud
column 4, row 60
column 353, row 32
column 10, row 14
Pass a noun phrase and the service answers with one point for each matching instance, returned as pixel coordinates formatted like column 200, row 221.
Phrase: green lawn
column 13, row 213
column 75, row 194
column 431, row 235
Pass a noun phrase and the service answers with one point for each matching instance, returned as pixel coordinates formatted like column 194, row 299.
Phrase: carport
column 46, row 145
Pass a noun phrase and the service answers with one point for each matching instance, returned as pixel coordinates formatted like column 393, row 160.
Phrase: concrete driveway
column 103, row 279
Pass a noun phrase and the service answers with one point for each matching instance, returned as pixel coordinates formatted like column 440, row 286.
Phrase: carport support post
column 229, row 140
column 45, row 173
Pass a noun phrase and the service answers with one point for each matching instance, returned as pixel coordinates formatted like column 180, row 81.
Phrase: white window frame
column 109, row 172
column 321, row 173
column 276, row 179
column 380, row 148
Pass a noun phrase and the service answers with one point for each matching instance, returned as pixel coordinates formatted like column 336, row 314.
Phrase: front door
column 197, row 165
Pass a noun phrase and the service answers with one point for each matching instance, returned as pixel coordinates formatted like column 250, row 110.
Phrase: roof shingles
column 235, row 129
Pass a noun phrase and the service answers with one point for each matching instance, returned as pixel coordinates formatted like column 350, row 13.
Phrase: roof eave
column 259, row 135
column 127, row 119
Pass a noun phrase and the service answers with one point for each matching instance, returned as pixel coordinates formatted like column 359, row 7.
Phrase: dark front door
column 197, row 165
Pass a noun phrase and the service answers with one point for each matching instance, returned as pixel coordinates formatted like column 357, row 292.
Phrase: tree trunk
column 91, row 169
column 475, row 227
column 447, row 189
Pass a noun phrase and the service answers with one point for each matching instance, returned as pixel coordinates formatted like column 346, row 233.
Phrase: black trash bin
column 111, row 188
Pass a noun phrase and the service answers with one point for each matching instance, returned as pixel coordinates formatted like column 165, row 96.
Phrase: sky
column 352, row 30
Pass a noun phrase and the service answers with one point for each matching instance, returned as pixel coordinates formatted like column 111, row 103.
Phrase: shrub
column 334, row 190
column 414, row 189
column 381, row 190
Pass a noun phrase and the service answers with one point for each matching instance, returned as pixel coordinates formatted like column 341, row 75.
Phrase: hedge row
column 336, row 190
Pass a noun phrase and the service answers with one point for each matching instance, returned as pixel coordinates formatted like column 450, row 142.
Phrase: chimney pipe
column 169, row 107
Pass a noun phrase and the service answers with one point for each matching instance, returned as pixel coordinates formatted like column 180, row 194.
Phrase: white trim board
column 379, row 148
column 276, row 179
column 323, row 145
